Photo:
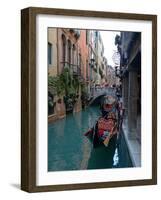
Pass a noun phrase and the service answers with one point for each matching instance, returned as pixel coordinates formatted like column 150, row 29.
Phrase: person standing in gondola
column 109, row 105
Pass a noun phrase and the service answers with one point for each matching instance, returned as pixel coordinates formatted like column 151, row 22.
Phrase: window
column 96, row 33
column 87, row 37
column 95, row 45
column 79, row 60
column 63, row 48
column 69, row 51
column 87, row 69
column 49, row 53
column 73, row 54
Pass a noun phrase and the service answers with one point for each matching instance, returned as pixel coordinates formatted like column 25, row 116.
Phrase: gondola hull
column 97, row 142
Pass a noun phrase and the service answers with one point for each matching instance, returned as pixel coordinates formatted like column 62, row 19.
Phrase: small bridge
column 96, row 94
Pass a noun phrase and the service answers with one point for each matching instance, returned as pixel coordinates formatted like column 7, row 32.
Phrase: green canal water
column 69, row 149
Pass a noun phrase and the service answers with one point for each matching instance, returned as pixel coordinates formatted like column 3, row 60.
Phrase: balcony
column 75, row 70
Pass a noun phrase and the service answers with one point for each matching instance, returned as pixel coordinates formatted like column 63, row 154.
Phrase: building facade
column 63, row 54
column 131, row 82
column 77, row 58
column 129, row 46
column 52, row 52
column 100, row 58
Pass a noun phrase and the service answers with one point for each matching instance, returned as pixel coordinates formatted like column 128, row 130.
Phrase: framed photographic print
column 88, row 99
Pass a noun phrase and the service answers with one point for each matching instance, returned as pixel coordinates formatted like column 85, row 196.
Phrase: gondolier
column 109, row 105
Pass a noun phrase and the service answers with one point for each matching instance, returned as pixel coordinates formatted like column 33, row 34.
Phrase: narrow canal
column 69, row 149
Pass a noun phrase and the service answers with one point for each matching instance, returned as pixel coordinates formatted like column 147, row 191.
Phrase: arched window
column 69, row 51
column 73, row 55
column 63, row 48
column 49, row 53
column 79, row 60
column 87, row 70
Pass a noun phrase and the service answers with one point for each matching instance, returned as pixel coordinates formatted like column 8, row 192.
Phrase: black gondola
column 111, row 114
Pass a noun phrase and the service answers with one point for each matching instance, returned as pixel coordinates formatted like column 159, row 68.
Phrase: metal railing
column 74, row 69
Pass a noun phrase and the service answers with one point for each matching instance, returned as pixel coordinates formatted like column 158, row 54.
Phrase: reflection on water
column 69, row 149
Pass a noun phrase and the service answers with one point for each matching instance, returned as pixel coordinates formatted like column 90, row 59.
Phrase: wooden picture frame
column 28, row 98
